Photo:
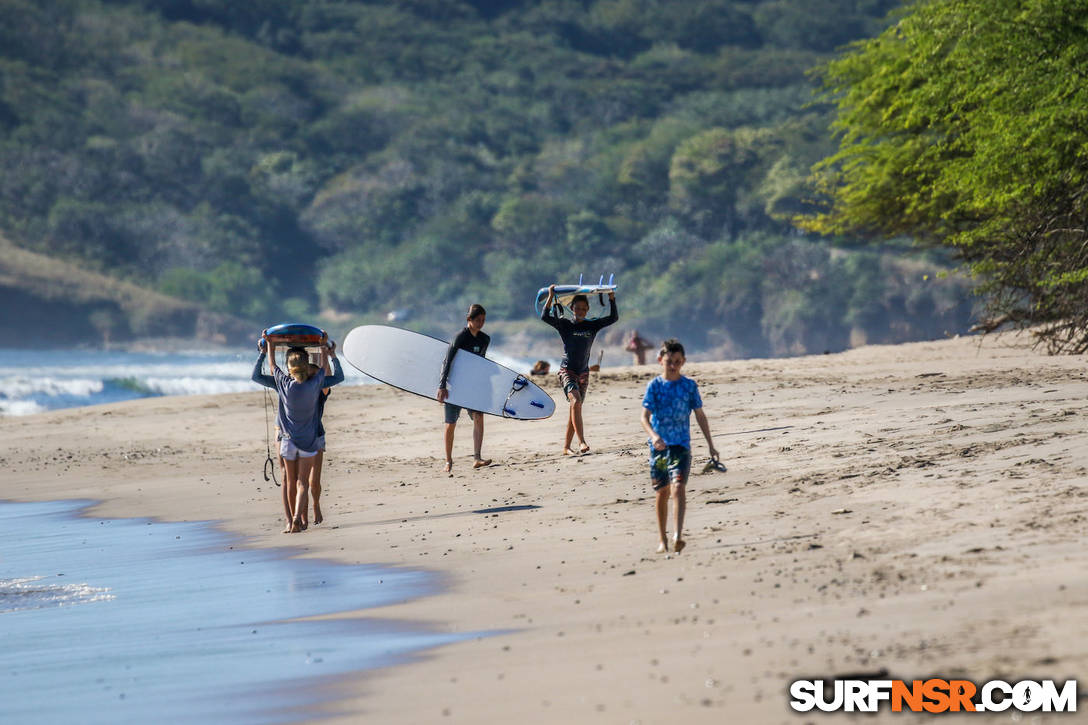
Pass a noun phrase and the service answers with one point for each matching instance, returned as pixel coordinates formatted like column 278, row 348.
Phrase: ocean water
column 34, row 381
column 134, row 620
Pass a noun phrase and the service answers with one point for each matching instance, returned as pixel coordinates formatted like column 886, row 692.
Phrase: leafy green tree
column 963, row 125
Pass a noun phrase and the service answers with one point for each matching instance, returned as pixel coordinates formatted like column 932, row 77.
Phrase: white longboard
column 413, row 362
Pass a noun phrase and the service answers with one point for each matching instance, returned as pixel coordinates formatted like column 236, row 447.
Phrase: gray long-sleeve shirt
column 299, row 414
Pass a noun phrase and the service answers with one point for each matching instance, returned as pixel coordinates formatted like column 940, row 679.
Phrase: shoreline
column 118, row 609
column 921, row 515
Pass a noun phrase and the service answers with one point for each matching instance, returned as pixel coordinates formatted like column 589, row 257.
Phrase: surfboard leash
column 268, row 462
column 519, row 382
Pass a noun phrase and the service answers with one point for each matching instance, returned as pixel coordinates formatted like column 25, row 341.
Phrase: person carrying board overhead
column 297, row 415
column 474, row 340
column 577, row 336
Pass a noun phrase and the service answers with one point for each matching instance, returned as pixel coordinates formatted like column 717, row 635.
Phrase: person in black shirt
column 472, row 339
column 578, row 339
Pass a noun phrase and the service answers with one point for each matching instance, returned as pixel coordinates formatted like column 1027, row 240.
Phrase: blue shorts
column 671, row 465
column 453, row 412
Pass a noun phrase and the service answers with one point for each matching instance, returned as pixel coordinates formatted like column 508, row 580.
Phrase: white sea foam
column 193, row 385
column 37, row 381
column 16, row 387
column 33, row 593
column 20, row 407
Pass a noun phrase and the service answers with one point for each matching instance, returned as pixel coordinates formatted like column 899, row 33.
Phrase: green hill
column 51, row 302
column 282, row 158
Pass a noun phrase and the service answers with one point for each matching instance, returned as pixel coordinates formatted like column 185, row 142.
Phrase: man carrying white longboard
column 474, row 340
column 578, row 336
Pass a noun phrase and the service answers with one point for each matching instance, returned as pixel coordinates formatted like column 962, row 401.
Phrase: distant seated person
column 637, row 346
column 542, row 367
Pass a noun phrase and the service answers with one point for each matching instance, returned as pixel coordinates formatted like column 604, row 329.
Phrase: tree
column 963, row 125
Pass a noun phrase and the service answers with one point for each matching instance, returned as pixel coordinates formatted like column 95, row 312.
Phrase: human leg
column 679, row 468
column 287, row 494
column 572, row 398
column 449, row 446
column 680, row 502
column 305, row 467
column 662, row 504
column 659, row 479
column 452, row 413
column 478, row 441
column 579, row 427
column 290, row 470
column 315, row 486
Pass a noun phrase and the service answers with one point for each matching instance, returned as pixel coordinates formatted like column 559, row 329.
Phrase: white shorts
column 290, row 451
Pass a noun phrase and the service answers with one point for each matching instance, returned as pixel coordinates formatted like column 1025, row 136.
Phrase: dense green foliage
column 280, row 158
column 964, row 125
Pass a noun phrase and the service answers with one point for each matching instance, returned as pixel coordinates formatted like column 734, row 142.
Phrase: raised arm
column 551, row 297
column 325, row 357
column 546, row 313
column 258, row 373
column 613, row 313
column 272, row 357
column 330, row 362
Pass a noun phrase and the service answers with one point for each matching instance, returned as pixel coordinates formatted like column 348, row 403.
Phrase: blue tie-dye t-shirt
column 670, row 404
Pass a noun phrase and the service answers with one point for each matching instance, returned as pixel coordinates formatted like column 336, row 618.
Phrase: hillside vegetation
column 48, row 300
column 286, row 159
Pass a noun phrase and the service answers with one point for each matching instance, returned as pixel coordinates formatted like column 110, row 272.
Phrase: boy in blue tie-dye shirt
column 667, row 406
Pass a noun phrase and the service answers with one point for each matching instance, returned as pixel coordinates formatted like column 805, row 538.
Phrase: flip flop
column 714, row 465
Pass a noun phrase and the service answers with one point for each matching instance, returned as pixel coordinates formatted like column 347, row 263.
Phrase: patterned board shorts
column 671, row 465
column 574, row 382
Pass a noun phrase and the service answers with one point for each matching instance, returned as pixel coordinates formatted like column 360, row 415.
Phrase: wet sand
column 917, row 510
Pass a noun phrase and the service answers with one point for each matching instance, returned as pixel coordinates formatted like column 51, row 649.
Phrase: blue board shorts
column 671, row 465
column 453, row 412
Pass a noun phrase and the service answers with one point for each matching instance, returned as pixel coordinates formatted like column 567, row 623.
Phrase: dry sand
column 916, row 509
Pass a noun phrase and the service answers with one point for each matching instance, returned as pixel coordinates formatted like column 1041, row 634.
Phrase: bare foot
column 288, row 529
column 568, row 452
column 662, row 547
column 449, row 467
column 583, row 449
column 318, row 518
column 481, row 462
column 296, row 526
column 678, row 545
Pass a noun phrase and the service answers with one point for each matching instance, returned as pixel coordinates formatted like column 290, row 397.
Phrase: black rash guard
column 465, row 340
column 578, row 336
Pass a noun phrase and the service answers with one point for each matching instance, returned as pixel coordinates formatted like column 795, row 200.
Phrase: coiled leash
column 269, row 464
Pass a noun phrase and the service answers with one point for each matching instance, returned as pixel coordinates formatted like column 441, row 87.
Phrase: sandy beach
column 915, row 510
